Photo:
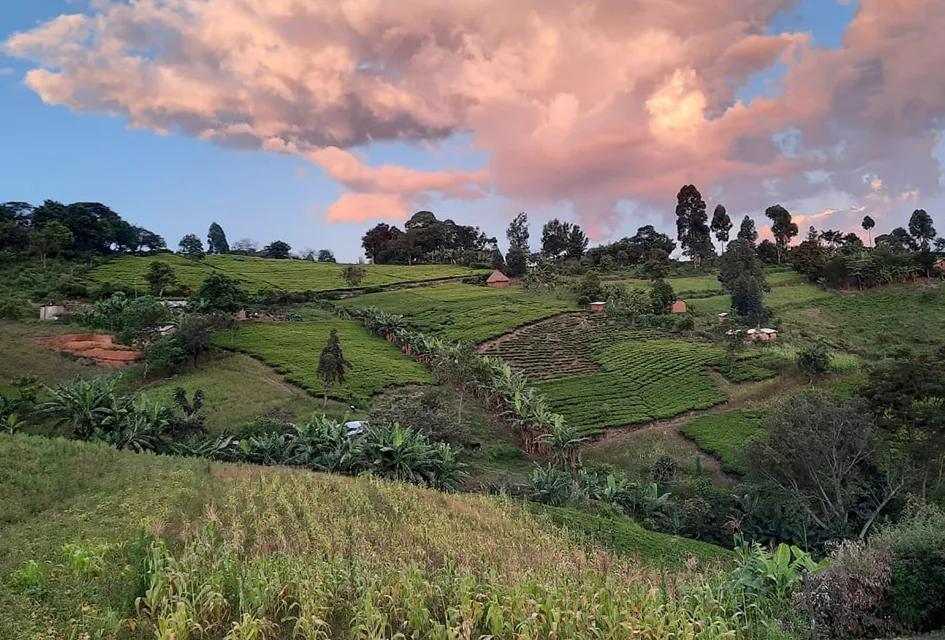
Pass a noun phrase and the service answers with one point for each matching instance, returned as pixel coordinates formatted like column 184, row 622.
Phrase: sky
column 313, row 120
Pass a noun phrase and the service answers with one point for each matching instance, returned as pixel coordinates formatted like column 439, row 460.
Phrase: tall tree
column 517, row 233
column 325, row 255
column 332, row 365
column 577, row 243
column 516, row 263
column 747, row 230
column 191, row 247
column 648, row 238
column 160, row 276
column 50, row 239
column 868, row 224
column 692, row 224
column 377, row 241
column 921, row 228
column 216, row 240
column 246, row 246
column 279, row 250
column 767, row 252
column 721, row 225
column 782, row 227
column 554, row 239
column 742, row 276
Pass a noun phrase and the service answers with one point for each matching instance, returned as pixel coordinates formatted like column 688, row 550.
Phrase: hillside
column 326, row 556
column 254, row 274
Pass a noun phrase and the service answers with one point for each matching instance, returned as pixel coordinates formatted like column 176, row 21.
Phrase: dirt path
column 280, row 384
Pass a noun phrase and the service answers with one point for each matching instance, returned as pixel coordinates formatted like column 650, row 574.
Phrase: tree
column 730, row 336
column 191, row 247
column 662, row 295
column 554, row 239
column 455, row 365
column 747, row 230
column 721, row 225
column 821, row 453
column 325, row 255
column 220, row 292
column 782, row 227
column 768, row 252
column 921, row 229
column 160, row 276
column 516, row 263
column 517, row 233
column 692, row 224
column 748, row 300
column 278, row 250
column 246, row 246
column 151, row 241
column 332, row 365
column 656, row 265
column 216, row 240
column 353, row 274
column 897, row 241
column 740, row 260
column 868, row 224
column 577, row 243
column 813, row 360
column 50, row 239
column 647, row 238
column 498, row 261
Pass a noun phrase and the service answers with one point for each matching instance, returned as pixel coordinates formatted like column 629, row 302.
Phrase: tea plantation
column 262, row 273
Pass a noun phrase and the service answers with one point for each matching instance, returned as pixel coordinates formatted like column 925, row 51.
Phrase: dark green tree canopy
column 429, row 240
column 517, row 233
column 278, row 250
column 516, row 263
column 219, row 292
column 922, row 229
column 332, row 364
column 160, row 276
column 747, row 230
column 325, row 255
column 191, row 247
column 721, row 225
column 782, row 227
column 216, row 240
column 692, row 224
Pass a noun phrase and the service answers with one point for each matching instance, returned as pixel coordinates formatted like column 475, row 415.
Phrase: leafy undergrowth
column 723, row 435
column 641, row 381
column 236, row 551
column 464, row 311
column 262, row 273
column 293, row 349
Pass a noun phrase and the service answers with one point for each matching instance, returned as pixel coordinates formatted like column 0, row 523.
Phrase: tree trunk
column 461, row 397
column 325, row 397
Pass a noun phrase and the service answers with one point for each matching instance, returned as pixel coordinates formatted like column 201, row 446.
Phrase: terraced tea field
column 464, row 311
column 639, row 382
column 709, row 284
column 777, row 299
column 259, row 273
column 564, row 345
column 724, row 434
column 293, row 349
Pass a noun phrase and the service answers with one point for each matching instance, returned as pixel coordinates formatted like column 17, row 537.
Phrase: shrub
column 813, row 360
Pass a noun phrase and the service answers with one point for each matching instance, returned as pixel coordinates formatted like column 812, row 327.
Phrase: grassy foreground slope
column 260, row 273
column 252, row 548
column 464, row 311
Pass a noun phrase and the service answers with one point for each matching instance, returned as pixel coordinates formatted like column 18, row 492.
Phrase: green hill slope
column 261, row 273
column 85, row 530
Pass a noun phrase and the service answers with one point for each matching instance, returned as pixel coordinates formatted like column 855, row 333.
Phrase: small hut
column 678, row 307
column 497, row 279
column 597, row 306
column 723, row 317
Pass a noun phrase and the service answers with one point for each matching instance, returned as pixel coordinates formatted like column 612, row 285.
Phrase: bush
column 916, row 546
column 813, row 360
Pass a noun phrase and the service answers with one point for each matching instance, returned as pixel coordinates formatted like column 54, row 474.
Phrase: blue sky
column 177, row 185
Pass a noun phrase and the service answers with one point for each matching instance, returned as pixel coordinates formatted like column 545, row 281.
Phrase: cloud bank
column 589, row 103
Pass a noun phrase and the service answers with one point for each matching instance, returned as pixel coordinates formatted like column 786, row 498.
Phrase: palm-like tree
column 565, row 441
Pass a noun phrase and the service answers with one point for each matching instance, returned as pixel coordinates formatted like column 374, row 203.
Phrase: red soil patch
column 97, row 348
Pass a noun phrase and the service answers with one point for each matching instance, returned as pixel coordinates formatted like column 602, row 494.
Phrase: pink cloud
column 589, row 103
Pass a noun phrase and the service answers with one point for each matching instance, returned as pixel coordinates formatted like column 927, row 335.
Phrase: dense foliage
column 425, row 239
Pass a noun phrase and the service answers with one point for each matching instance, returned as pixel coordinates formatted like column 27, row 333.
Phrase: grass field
column 293, row 349
column 261, row 273
column 237, row 390
column 465, row 312
column 702, row 285
column 778, row 299
column 363, row 558
column 640, row 382
column 723, row 435
column 21, row 355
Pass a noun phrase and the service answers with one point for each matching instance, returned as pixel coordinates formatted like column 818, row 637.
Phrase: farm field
column 260, row 273
column 874, row 323
column 237, row 390
column 20, row 355
column 640, row 382
column 293, row 348
column 564, row 345
column 779, row 298
column 463, row 311
column 724, row 434
column 710, row 283
column 73, row 553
